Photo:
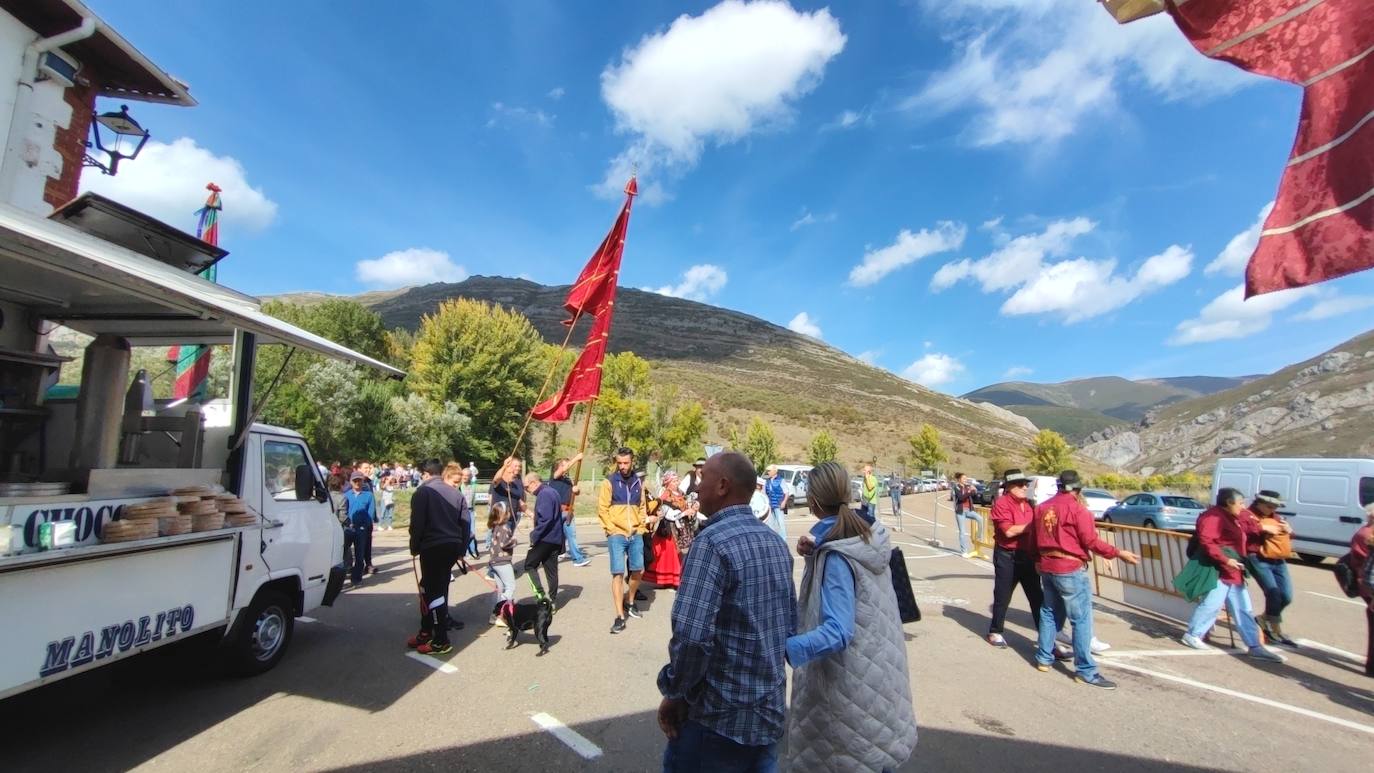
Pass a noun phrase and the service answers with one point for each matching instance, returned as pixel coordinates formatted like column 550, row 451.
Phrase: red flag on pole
column 595, row 286
column 1322, row 225
column 594, row 294
column 584, row 382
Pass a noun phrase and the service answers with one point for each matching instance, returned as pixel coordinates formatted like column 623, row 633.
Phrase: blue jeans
column 1237, row 601
column 360, row 542
column 574, row 551
column 897, row 507
column 388, row 513
column 620, row 549
column 1068, row 597
column 699, row 750
column 959, row 518
column 778, row 522
column 1274, row 580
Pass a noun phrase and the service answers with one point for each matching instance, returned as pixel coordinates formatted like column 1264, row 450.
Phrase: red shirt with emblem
column 1008, row 511
column 1065, row 527
column 1217, row 529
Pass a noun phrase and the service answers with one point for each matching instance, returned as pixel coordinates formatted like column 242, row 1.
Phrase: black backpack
column 1194, row 548
column 907, row 607
column 1344, row 571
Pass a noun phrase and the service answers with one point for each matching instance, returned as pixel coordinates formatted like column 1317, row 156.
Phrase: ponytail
column 849, row 524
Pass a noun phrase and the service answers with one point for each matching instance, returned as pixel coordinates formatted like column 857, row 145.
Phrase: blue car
column 1173, row 512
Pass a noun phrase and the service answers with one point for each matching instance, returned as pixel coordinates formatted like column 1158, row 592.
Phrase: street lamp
column 127, row 134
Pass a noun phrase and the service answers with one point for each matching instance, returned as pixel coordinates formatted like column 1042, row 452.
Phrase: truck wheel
column 266, row 631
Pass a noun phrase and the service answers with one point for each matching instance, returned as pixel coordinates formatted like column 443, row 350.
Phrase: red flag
column 584, row 382
column 1322, row 225
column 595, row 286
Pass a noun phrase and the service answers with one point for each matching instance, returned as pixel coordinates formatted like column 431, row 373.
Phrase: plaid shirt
column 731, row 619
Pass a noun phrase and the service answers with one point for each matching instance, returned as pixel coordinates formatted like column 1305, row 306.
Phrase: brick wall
column 70, row 143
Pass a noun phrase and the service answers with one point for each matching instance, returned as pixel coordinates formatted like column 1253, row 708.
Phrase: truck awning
column 94, row 286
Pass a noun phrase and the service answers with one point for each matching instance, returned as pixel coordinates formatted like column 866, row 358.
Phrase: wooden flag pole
column 581, row 450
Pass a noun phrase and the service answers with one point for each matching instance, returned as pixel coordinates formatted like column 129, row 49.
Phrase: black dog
column 528, row 615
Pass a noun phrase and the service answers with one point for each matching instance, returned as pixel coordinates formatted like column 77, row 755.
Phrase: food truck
column 127, row 523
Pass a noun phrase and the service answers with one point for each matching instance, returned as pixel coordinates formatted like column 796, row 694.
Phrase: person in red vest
column 1065, row 537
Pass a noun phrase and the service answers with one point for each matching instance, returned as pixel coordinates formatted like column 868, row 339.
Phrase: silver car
column 1174, row 512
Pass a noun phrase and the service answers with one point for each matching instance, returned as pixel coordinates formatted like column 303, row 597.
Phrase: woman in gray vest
column 851, row 695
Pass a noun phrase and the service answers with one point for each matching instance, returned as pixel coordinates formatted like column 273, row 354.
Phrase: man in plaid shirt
column 723, row 689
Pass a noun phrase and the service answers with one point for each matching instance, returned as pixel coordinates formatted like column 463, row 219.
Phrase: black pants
column 1013, row 568
column 1369, row 654
column 544, row 554
column 436, row 570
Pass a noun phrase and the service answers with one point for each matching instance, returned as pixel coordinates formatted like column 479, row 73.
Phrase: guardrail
column 1148, row 585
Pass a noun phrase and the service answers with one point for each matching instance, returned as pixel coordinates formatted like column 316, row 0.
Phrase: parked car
column 794, row 482
column 911, row 486
column 1173, row 512
column 1099, row 501
column 986, row 493
column 856, row 489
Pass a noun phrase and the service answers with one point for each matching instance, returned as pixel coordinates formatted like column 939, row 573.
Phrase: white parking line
column 304, row 619
column 571, row 738
column 434, row 663
column 1336, row 598
column 1316, row 645
column 1243, row 696
column 1162, row 653
column 937, row 555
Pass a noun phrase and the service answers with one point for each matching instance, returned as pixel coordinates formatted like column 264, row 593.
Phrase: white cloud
column 810, row 218
column 698, row 283
column 399, row 268
column 934, row 370
column 848, row 119
column 1081, row 289
column 994, row 225
column 1076, row 289
column 1234, row 257
column 503, row 114
column 167, row 181
column 717, row 77
column 1230, row 316
column 556, row 93
column 1336, row 305
column 804, row 324
column 869, row 357
column 1032, row 71
column 908, row 248
column 1017, row 371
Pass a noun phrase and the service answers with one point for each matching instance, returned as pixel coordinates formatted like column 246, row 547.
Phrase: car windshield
column 1099, row 493
column 1188, row 502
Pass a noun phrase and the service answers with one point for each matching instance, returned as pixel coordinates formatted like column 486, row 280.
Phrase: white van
column 794, row 482
column 1042, row 487
column 1325, row 498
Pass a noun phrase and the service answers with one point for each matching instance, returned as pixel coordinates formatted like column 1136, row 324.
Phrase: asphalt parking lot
column 349, row 697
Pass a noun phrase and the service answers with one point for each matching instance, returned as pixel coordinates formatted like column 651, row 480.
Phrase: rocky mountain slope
column 1082, row 407
column 1320, row 407
column 740, row 366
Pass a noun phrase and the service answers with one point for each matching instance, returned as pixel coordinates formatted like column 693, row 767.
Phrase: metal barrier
column 1148, row 585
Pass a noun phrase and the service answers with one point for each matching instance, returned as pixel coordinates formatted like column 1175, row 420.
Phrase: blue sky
column 960, row 191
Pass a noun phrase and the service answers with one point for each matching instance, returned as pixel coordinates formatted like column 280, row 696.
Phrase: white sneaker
column 1190, row 640
column 1098, row 646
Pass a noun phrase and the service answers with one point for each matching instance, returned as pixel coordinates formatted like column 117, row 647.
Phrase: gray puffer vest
column 852, row 711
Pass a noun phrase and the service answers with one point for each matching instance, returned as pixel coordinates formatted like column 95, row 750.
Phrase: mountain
column 740, row 366
column 1080, row 408
column 1319, row 407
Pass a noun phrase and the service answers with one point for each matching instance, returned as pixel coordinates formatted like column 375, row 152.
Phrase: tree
column 998, row 463
column 822, row 449
column 490, row 363
column 651, row 420
column 760, row 445
column 926, row 451
column 1049, row 453
column 423, row 429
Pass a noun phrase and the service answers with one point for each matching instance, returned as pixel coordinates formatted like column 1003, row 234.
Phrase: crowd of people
column 716, row 535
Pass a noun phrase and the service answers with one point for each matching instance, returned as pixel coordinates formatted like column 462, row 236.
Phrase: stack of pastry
column 204, row 514
column 141, row 520
column 235, row 511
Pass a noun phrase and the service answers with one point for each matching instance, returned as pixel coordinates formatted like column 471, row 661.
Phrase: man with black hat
column 1065, row 537
column 692, row 480
column 1267, row 558
column 1012, row 559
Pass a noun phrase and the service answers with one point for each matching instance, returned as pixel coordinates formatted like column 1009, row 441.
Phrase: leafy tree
column 650, row 420
column 488, row 361
column 998, row 463
column 822, row 449
column 423, row 429
column 926, row 450
column 760, row 445
column 1049, row 453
